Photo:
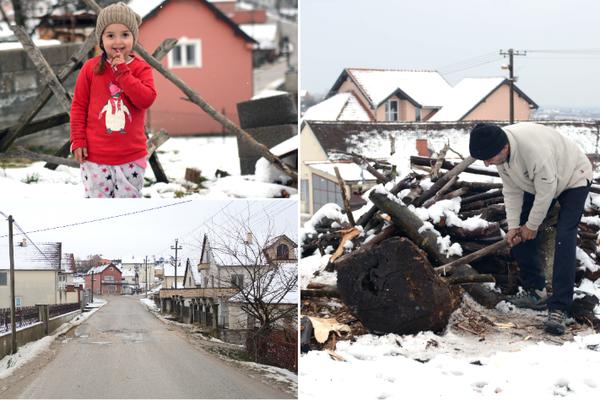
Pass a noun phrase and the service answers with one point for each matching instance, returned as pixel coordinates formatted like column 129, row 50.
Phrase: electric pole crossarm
column 511, row 80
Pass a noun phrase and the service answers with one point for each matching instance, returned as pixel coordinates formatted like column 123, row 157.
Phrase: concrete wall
column 20, row 83
column 33, row 332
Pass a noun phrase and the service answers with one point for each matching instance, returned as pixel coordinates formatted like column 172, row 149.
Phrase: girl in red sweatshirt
column 112, row 93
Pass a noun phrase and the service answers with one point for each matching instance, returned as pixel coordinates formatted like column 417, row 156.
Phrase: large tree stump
column 394, row 289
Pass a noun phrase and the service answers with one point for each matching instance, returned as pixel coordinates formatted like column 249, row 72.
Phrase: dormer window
column 283, row 252
column 391, row 110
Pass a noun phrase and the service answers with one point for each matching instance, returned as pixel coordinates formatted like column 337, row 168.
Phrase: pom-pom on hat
column 486, row 141
column 118, row 13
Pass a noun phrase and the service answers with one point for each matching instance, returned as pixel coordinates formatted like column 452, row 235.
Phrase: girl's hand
column 80, row 154
column 117, row 59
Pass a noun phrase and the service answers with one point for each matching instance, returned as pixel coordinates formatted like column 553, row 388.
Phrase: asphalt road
column 123, row 351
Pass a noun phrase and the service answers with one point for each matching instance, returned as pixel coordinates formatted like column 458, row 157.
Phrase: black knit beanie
column 486, row 141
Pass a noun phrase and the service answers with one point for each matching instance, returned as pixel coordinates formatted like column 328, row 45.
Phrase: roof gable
column 426, row 88
column 149, row 8
column 340, row 107
column 468, row 94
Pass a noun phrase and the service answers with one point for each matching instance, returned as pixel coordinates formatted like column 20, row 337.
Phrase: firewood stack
column 395, row 278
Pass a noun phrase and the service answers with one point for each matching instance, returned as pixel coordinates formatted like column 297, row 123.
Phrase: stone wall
column 19, row 85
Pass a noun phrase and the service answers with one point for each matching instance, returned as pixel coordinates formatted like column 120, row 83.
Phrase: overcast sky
column 148, row 233
column 451, row 35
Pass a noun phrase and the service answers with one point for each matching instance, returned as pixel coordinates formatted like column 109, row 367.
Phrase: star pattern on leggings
column 135, row 174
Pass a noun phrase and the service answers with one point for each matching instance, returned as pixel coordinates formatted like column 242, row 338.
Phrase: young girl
column 112, row 93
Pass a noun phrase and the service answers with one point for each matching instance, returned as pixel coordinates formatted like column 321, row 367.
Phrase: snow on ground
column 279, row 374
column 204, row 153
column 149, row 304
column 29, row 351
column 452, row 367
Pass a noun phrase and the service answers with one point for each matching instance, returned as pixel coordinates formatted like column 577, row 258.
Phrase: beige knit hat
column 118, row 13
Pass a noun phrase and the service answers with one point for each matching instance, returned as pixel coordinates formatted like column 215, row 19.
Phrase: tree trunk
column 393, row 289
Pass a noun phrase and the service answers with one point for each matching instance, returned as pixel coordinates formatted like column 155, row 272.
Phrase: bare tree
column 246, row 261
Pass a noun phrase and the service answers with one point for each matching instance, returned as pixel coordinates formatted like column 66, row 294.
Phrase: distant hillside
column 557, row 113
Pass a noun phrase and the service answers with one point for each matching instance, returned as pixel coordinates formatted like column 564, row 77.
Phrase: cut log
column 435, row 171
column 479, row 186
column 345, row 196
column 440, row 193
column 448, row 165
column 403, row 184
column 364, row 164
column 443, row 180
column 409, row 224
column 476, row 205
column 393, row 289
column 447, row 269
column 481, row 196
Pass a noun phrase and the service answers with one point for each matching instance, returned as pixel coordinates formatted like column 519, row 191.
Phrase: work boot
column 556, row 323
column 530, row 298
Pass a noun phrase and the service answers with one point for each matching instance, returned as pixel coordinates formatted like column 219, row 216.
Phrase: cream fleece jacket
column 544, row 163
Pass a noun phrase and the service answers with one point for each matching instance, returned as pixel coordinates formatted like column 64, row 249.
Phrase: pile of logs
column 397, row 280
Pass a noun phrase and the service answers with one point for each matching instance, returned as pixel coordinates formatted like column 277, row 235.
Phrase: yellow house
column 36, row 273
column 417, row 95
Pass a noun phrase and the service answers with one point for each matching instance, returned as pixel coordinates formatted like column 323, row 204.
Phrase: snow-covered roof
column 42, row 256
column 67, row 263
column 340, row 107
column 264, row 34
column 279, row 284
column 427, row 88
column 349, row 171
column 285, row 147
column 100, row 268
column 5, row 31
column 134, row 260
column 169, row 270
column 144, row 7
column 465, row 96
column 37, row 42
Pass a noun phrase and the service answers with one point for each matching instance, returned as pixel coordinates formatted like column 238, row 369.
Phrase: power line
column 103, row 218
column 473, row 66
column 467, row 61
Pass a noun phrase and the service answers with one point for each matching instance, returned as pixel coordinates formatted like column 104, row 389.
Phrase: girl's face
column 117, row 39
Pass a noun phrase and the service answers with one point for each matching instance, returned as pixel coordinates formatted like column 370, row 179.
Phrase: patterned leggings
column 110, row 181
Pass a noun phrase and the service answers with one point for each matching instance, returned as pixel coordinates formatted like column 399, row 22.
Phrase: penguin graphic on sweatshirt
column 115, row 111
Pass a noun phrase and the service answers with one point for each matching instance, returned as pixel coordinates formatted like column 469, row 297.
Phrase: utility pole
column 93, row 285
column 146, row 267
column 511, row 80
column 176, row 248
column 11, row 255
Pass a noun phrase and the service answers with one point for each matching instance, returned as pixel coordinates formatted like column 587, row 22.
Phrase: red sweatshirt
column 107, row 114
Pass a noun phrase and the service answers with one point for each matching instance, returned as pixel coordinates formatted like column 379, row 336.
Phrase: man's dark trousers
column 572, row 202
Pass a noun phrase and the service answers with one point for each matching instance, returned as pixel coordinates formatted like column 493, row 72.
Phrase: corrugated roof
column 340, row 107
column 428, row 88
column 46, row 256
column 467, row 94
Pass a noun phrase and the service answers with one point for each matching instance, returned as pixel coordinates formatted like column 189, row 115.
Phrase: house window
column 3, row 278
column 206, row 281
column 237, row 280
column 190, row 281
column 187, row 54
column 212, row 281
column 283, row 252
column 18, row 301
column 325, row 191
column 417, row 114
column 391, row 110
column 109, row 278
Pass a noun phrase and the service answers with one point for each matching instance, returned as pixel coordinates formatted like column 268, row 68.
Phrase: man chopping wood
column 538, row 167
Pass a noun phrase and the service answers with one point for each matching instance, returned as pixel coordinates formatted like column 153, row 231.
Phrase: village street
column 123, row 351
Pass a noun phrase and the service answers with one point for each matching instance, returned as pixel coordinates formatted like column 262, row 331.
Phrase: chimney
column 423, row 148
column 23, row 243
column 249, row 238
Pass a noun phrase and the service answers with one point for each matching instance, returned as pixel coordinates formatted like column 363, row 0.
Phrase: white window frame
column 388, row 110
column 18, row 301
column 182, row 44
